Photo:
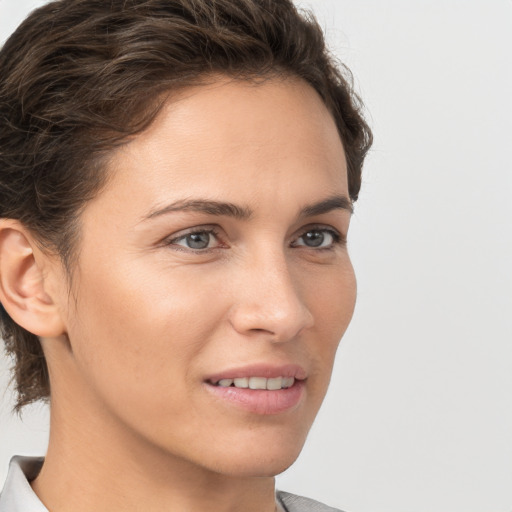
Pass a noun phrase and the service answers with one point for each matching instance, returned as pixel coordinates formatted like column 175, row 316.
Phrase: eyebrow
column 204, row 206
column 328, row 205
column 220, row 208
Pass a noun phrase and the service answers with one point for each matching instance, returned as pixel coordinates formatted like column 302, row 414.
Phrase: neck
column 93, row 465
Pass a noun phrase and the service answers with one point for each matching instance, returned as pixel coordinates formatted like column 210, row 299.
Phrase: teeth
column 288, row 382
column 276, row 383
column 258, row 383
column 242, row 382
column 272, row 384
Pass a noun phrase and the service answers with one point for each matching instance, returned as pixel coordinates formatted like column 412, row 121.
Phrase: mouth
column 260, row 389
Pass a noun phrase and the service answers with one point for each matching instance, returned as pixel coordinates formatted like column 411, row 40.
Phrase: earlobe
column 23, row 293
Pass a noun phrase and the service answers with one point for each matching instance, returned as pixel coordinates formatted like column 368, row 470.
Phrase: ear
column 23, row 290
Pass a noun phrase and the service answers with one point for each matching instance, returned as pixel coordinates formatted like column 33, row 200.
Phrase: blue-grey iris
column 313, row 238
column 198, row 240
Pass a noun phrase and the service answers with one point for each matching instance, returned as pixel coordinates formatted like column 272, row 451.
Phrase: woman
column 177, row 180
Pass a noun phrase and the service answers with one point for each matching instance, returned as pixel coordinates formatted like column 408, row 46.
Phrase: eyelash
column 338, row 239
column 207, row 230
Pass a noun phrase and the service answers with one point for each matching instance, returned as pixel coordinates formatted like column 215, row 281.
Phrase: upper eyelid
column 171, row 240
column 215, row 230
column 196, row 229
column 319, row 227
column 193, row 232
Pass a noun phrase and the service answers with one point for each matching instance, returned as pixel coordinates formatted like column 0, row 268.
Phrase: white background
column 419, row 415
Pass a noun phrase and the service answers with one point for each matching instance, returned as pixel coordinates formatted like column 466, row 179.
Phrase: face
column 215, row 259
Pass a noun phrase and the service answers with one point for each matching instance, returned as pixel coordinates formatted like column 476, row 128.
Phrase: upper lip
column 268, row 371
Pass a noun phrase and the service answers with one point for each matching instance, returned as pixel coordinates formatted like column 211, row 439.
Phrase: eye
column 318, row 238
column 197, row 240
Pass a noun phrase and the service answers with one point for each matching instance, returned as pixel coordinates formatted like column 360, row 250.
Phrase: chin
column 272, row 468
column 259, row 460
column 261, row 468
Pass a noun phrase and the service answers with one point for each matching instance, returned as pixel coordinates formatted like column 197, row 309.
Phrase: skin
column 148, row 319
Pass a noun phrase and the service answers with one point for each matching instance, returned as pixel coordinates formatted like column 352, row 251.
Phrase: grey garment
column 18, row 496
column 294, row 503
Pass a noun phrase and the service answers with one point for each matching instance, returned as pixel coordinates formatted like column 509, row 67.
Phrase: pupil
column 314, row 238
column 198, row 240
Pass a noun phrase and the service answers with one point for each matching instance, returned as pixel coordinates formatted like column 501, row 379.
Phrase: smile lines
column 270, row 384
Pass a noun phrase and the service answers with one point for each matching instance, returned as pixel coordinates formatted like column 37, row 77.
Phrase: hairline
column 103, row 160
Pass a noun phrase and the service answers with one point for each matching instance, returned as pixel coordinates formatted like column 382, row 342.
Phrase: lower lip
column 261, row 401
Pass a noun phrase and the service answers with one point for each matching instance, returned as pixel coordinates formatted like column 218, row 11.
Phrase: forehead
column 238, row 139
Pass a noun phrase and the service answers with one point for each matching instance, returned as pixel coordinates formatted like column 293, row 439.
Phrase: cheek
column 332, row 301
column 141, row 333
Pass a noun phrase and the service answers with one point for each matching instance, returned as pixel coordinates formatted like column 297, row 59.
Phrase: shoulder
column 294, row 503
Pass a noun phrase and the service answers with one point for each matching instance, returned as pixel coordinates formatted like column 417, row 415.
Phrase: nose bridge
column 271, row 299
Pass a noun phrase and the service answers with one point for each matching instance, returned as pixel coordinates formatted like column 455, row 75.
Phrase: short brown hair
column 80, row 76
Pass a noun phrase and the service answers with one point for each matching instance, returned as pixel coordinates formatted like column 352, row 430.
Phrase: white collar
column 17, row 495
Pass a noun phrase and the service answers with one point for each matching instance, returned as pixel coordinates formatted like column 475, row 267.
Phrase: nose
column 267, row 300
